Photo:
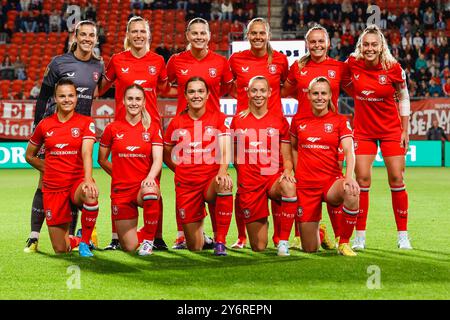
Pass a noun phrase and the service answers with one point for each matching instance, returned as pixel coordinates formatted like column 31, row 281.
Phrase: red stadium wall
column 16, row 116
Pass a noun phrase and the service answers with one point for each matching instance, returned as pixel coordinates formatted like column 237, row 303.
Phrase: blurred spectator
column 90, row 13
column 335, row 40
column 347, row 9
column 160, row 5
column 35, row 5
column 391, row 20
column 422, row 89
column 423, row 75
column 137, row 4
column 335, row 10
column 55, row 21
column 19, row 23
column 346, row 49
column 6, row 69
column 19, row 69
column 405, row 16
column 182, row 5
column 204, row 9
column 407, row 40
column 347, row 37
column 25, row 4
column 42, row 20
column 417, row 27
column 216, row 10
column 5, row 29
column 444, row 74
column 34, row 92
column 148, row 4
column 417, row 40
column 348, row 27
column 440, row 24
column 420, row 62
column 290, row 19
column 434, row 89
column 237, row 29
column 191, row 10
column 446, row 87
column 250, row 5
column 302, row 28
column 240, row 15
column 433, row 65
column 436, row 133
column 445, row 61
column 30, row 22
column 429, row 19
column 163, row 51
column 227, row 10
column 101, row 35
column 132, row 14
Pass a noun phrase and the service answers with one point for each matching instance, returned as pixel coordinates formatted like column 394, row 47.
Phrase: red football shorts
column 57, row 205
column 389, row 148
column 310, row 201
column 190, row 201
column 254, row 204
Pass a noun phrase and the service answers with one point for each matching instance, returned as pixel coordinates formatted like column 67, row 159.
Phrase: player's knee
column 258, row 246
column 150, row 189
column 222, row 189
column 129, row 247
column 363, row 181
column 310, row 248
column 396, row 180
column 195, row 247
column 60, row 248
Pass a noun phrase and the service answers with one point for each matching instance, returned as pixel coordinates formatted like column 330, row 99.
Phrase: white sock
column 402, row 234
column 282, row 242
column 115, row 236
column 361, row 234
column 34, row 234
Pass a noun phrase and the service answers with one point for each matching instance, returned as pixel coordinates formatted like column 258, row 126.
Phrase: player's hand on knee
column 90, row 189
column 224, row 181
column 149, row 182
column 351, row 187
column 286, row 175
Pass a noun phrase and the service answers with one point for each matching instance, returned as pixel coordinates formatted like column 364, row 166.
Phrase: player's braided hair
column 246, row 112
column 126, row 42
column 74, row 44
column 323, row 80
column 307, row 57
column 266, row 24
column 145, row 116
column 387, row 60
column 197, row 20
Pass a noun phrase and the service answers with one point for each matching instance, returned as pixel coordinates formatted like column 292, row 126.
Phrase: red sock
column 224, row 212
column 335, row 214
column 288, row 211
column 321, row 235
column 141, row 235
column 160, row 218
column 74, row 242
column 297, row 228
column 179, row 224
column 363, row 208
column 151, row 214
column 276, row 216
column 212, row 215
column 400, row 206
column 113, row 225
column 348, row 222
column 88, row 219
column 240, row 222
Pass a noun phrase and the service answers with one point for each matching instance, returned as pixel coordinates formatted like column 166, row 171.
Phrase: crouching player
column 264, row 167
column 317, row 170
column 197, row 148
column 67, row 170
column 136, row 146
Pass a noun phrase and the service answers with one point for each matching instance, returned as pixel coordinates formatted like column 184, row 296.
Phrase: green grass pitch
column 422, row 273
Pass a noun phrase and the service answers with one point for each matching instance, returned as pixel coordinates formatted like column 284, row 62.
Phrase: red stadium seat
column 17, row 85
column 4, row 88
column 170, row 15
column 180, row 15
column 225, row 27
column 214, row 26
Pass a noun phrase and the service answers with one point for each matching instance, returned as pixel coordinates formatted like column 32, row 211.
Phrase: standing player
column 313, row 64
column 84, row 69
column 198, row 61
column 260, row 59
column 67, row 170
column 197, row 148
column 264, row 167
column 319, row 176
column 136, row 146
column 137, row 65
column 377, row 78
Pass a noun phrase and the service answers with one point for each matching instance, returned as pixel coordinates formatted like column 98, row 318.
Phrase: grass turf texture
column 422, row 273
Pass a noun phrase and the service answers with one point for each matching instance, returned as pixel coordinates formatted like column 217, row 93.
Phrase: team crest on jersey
column 272, row 68
column 75, row 132
column 246, row 213
column 182, row 213
column 212, row 72
column 146, row 136
column 209, row 130
column 331, row 74
column 48, row 214
column 95, row 76
column 382, row 79
column 328, row 127
column 271, row 132
column 152, row 70
column 299, row 212
column 355, row 144
column 115, row 210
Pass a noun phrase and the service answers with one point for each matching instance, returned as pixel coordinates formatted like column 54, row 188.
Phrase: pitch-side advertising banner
column 16, row 117
column 420, row 154
column 447, row 154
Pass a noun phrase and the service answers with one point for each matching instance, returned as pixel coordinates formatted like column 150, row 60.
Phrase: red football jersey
column 336, row 72
column 376, row 111
column 245, row 66
column 131, row 149
column 258, row 148
column 213, row 68
column 196, row 145
column 147, row 71
column 63, row 140
column 318, row 140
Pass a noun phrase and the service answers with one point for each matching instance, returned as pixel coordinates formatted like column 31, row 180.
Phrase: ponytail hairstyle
column 145, row 116
column 126, row 42
column 197, row 20
column 267, row 26
column 246, row 112
column 74, row 44
column 386, row 58
column 307, row 57
column 321, row 79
